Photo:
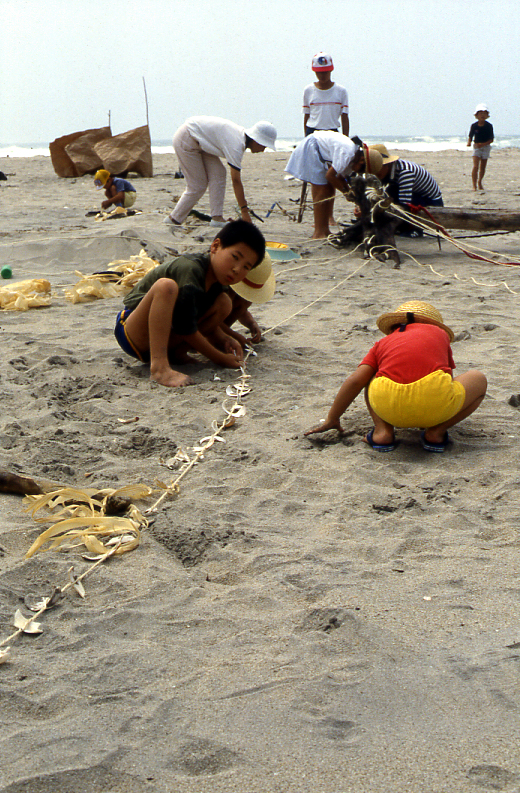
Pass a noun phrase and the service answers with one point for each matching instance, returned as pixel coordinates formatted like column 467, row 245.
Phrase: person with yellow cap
column 408, row 381
column 119, row 192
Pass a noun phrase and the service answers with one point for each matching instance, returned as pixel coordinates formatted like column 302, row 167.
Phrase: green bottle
column 6, row 271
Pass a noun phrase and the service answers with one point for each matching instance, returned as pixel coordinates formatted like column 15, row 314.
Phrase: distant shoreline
column 286, row 144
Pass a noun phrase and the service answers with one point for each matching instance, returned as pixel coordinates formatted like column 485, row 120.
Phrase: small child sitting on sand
column 258, row 287
column 119, row 192
column 408, row 381
column 183, row 304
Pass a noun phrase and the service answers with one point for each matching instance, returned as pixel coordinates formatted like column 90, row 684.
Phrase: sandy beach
column 307, row 615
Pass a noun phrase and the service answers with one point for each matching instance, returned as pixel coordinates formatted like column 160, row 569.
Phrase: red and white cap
column 322, row 62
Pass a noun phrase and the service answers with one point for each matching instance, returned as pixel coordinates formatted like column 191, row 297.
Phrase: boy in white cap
column 325, row 107
column 325, row 103
column 481, row 133
column 408, row 381
column 199, row 144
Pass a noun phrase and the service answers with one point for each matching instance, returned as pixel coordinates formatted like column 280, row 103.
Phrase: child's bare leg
column 481, row 173
column 383, row 432
column 475, row 385
column 215, row 317
column 322, row 209
column 149, row 327
column 474, row 172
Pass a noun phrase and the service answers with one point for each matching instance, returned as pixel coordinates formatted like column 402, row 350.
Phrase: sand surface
column 306, row 615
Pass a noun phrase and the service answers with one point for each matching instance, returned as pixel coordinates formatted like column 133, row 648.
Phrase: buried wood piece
column 21, row 485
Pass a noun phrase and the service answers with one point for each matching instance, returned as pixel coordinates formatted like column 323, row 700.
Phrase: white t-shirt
column 219, row 137
column 336, row 149
column 325, row 107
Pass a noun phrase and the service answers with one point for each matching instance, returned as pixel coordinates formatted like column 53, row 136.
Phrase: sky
column 410, row 67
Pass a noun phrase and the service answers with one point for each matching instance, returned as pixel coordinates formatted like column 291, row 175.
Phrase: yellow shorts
column 130, row 198
column 429, row 401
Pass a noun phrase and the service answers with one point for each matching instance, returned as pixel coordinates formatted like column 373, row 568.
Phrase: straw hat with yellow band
column 413, row 311
column 381, row 148
column 259, row 284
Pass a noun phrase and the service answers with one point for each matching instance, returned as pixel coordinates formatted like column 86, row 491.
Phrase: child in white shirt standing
column 325, row 104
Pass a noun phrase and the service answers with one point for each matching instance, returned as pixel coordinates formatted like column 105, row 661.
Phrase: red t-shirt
column 407, row 356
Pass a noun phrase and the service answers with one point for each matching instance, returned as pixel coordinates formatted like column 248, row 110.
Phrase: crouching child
column 183, row 305
column 408, row 381
column 119, row 192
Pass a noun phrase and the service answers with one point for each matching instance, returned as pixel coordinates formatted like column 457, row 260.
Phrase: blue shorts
column 124, row 341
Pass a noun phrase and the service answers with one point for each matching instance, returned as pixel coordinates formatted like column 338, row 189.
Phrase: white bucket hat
column 483, row 107
column 263, row 133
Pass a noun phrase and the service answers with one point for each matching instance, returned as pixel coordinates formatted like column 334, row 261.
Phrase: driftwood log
column 376, row 227
column 473, row 219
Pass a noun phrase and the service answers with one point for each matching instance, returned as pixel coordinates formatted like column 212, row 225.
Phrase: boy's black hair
column 241, row 231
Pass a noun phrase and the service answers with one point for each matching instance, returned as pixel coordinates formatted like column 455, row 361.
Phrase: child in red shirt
column 408, row 381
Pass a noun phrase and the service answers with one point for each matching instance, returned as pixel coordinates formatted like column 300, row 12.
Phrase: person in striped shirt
column 407, row 182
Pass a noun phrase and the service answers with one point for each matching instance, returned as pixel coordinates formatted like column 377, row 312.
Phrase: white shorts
column 130, row 197
column 483, row 153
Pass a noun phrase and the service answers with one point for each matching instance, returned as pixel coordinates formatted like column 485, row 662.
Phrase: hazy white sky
column 411, row 67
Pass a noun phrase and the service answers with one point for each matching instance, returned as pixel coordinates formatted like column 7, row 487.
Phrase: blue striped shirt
column 412, row 179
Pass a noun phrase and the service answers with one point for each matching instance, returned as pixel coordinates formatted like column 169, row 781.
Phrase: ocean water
column 400, row 143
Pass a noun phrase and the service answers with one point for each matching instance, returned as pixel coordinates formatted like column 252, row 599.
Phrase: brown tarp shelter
column 79, row 144
column 84, row 152
column 130, row 151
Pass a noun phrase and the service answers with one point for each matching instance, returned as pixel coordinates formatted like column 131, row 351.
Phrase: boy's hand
column 325, row 426
column 230, row 361
column 234, row 347
column 254, row 330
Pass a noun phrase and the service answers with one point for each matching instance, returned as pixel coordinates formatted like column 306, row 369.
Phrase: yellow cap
column 101, row 178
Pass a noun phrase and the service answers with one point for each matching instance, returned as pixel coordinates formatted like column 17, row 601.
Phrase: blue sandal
column 380, row 447
column 431, row 446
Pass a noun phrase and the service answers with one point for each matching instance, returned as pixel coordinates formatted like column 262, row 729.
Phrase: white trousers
column 202, row 171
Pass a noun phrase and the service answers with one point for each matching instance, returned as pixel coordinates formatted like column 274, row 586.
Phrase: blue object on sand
column 280, row 252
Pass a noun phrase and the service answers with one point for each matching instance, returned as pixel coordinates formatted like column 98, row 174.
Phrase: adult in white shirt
column 199, row 144
column 326, row 160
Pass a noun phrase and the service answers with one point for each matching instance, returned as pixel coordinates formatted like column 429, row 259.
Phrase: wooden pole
column 146, row 102
column 303, row 196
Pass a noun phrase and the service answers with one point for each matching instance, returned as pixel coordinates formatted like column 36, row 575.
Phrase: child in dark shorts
column 183, row 304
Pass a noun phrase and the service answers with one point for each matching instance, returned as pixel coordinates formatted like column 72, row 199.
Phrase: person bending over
column 199, row 144
column 326, row 160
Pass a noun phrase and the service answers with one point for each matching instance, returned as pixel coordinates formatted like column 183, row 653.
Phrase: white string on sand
column 237, row 410
column 49, row 602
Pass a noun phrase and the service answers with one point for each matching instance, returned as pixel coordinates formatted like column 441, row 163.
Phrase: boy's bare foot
column 320, row 235
column 169, row 377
